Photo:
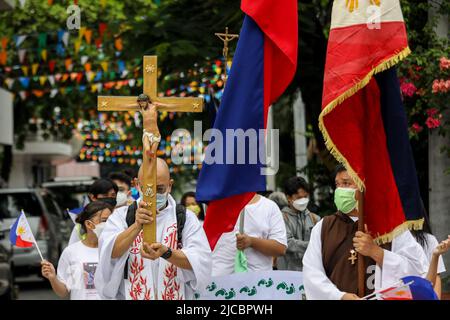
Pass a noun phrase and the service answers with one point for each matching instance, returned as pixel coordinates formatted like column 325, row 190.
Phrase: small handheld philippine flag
column 20, row 234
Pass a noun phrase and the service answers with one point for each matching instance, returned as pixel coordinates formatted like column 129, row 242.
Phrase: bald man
column 171, row 269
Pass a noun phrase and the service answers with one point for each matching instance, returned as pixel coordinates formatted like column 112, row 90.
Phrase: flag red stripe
column 22, row 243
column 354, row 51
column 221, row 215
column 363, row 144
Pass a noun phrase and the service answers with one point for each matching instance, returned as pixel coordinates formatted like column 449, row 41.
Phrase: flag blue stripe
column 13, row 232
column 399, row 147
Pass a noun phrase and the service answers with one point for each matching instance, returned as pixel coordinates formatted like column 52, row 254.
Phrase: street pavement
column 34, row 288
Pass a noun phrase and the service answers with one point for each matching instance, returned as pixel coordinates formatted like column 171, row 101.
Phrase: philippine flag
column 413, row 288
column 20, row 234
column 363, row 120
column 263, row 66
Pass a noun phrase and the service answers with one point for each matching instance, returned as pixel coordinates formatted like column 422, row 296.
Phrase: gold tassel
column 407, row 225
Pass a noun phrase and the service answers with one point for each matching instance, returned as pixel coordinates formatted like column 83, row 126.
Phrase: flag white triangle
column 22, row 3
column 100, row 87
column 23, row 95
column 53, row 93
column 131, row 82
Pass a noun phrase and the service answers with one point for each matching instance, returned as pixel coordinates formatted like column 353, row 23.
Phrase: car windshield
column 12, row 203
column 69, row 197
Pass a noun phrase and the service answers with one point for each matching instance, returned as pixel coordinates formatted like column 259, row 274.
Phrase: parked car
column 47, row 221
column 70, row 193
column 7, row 287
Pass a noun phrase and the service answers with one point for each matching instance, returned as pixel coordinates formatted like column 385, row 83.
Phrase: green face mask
column 344, row 199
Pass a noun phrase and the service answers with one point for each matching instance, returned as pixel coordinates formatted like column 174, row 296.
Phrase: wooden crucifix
column 226, row 38
column 148, row 103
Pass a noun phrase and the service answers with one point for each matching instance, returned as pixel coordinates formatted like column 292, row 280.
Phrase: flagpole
column 361, row 265
column 39, row 251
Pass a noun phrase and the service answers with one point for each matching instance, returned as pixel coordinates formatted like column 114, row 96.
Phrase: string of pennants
column 45, row 67
column 55, row 42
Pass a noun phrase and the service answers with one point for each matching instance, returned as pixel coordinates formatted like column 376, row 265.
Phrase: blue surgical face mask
column 135, row 193
column 161, row 200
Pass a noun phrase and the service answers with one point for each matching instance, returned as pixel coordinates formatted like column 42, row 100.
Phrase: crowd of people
column 107, row 257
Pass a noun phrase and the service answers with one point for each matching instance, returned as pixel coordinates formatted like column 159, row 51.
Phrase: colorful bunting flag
column 42, row 40
column 9, row 82
column 102, row 28
column 44, row 54
column 68, row 63
column 79, row 77
column 98, row 76
column 77, row 44
column 34, row 68
column 38, row 93
column 104, row 65
column 42, row 80
column 84, row 59
column 25, row 82
column 60, row 49
column 4, row 42
column 98, row 43
column 3, row 57
column 25, row 70
column 81, row 32
column 51, row 80
column 118, row 44
column 19, row 40
column 88, row 35
column 22, row 53
column 65, row 38
column 51, row 65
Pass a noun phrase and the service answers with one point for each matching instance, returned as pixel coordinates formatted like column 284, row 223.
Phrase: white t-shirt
column 432, row 243
column 264, row 220
column 76, row 269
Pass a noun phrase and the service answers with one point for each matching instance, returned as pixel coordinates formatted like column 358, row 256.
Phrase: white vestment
column 406, row 258
column 147, row 277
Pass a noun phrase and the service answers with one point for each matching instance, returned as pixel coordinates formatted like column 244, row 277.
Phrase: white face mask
column 300, row 204
column 99, row 229
column 121, row 199
column 161, row 200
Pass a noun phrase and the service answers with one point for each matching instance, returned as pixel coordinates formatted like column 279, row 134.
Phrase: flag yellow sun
column 21, row 230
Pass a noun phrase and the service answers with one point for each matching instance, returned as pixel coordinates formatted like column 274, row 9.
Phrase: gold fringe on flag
column 412, row 224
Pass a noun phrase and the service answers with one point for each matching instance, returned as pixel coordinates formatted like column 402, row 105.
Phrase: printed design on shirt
column 139, row 289
column 89, row 272
column 170, row 283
